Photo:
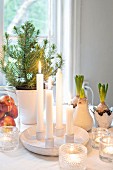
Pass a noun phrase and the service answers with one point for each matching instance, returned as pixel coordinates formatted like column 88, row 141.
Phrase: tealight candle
column 106, row 149
column 72, row 156
column 97, row 133
column 9, row 138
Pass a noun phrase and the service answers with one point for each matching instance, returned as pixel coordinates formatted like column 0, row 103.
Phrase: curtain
column 68, row 42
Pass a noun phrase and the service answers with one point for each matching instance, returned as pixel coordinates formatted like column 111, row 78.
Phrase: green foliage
column 102, row 91
column 78, row 82
column 20, row 62
column 82, row 94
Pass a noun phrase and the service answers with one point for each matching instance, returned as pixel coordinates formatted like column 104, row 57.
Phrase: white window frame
column 67, row 13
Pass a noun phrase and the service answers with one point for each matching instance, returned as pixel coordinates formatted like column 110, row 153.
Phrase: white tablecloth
column 22, row 159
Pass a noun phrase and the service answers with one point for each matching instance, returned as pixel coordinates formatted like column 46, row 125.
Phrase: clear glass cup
column 97, row 133
column 9, row 138
column 106, row 149
column 9, row 112
column 72, row 156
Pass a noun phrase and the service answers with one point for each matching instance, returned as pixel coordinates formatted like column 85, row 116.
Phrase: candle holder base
column 29, row 140
column 69, row 138
column 40, row 135
column 49, row 143
column 60, row 132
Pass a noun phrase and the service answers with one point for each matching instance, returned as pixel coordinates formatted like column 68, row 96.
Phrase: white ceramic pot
column 82, row 117
column 27, row 106
column 105, row 120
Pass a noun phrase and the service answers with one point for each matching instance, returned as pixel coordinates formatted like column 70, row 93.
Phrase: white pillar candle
column 49, row 112
column 40, row 100
column 59, row 97
column 69, row 120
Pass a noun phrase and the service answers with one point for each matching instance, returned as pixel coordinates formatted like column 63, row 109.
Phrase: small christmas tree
column 20, row 61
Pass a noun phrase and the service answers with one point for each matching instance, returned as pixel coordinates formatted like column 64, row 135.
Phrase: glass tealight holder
column 9, row 138
column 106, row 149
column 97, row 133
column 72, row 156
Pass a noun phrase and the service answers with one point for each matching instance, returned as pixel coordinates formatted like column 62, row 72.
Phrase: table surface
column 22, row 159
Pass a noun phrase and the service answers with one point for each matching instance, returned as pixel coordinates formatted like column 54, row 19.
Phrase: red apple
column 2, row 114
column 7, row 121
column 14, row 112
column 6, row 103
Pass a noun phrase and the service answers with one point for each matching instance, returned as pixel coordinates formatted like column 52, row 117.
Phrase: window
column 60, row 18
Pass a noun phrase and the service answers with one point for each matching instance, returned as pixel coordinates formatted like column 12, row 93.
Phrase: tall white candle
column 40, row 100
column 49, row 112
column 69, row 120
column 59, row 100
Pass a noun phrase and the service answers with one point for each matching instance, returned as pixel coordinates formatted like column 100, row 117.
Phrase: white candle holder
column 72, row 156
column 106, row 149
column 40, row 135
column 49, row 143
column 60, row 132
column 69, row 138
column 50, row 146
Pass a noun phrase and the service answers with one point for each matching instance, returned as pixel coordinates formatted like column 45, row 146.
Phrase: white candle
column 69, row 120
column 59, row 96
column 49, row 112
column 108, row 150
column 40, row 100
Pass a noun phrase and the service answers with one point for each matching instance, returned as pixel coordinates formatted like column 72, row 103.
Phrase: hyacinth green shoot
column 78, row 82
column 82, row 94
column 102, row 91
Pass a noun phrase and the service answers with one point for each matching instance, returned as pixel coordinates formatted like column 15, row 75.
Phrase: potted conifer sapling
column 20, row 66
column 103, row 114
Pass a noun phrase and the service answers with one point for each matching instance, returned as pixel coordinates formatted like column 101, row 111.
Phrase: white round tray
column 28, row 139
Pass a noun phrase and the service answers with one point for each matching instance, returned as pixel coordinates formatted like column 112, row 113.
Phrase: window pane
column 17, row 12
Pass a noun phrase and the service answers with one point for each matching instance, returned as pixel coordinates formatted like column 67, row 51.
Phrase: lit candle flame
column 39, row 67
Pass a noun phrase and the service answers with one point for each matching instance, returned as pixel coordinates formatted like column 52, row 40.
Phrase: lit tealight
column 108, row 150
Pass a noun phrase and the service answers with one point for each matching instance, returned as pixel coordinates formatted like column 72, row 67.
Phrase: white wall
column 97, row 45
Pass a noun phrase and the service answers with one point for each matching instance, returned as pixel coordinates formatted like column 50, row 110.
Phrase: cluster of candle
column 49, row 107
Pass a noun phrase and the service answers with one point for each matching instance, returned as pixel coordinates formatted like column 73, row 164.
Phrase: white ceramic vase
column 82, row 117
column 27, row 106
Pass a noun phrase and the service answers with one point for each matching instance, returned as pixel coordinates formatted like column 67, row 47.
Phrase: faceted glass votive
column 106, row 149
column 72, row 156
column 9, row 138
column 97, row 133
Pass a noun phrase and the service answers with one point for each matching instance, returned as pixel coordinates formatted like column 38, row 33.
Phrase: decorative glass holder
column 9, row 138
column 106, row 149
column 72, row 156
column 97, row 133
